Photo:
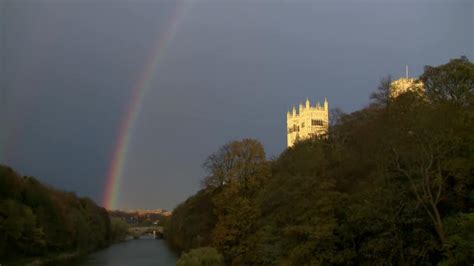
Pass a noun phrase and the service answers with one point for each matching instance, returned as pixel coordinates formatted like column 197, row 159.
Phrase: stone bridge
column 138, row 231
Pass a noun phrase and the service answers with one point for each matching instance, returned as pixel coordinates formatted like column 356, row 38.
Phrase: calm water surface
column 140, row 252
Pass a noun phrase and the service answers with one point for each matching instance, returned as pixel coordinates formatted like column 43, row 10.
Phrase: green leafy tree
column 192, row 222
column 205, row 256
column 119, row 229
column 453, row 81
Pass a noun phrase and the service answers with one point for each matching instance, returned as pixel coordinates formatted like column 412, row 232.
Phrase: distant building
column 403, row 85
column 309, row 122
column 406, row 84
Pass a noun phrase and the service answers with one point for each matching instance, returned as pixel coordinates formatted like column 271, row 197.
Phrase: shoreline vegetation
column 40, row 224
column 391, row 184
column 55, row 258
column 65, row 256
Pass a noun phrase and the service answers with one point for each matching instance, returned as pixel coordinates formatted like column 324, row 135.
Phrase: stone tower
column 308, row 122
column 403, row 85
column 406, row 84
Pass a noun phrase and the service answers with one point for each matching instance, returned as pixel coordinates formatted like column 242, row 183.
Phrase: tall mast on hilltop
column 406, row 71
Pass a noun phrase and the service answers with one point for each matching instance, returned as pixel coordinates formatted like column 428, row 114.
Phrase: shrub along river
column 140, row 252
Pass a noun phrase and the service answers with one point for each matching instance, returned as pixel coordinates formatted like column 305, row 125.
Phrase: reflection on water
column 140, row 252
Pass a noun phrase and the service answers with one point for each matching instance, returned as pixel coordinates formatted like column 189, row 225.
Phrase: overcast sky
column 231, row 71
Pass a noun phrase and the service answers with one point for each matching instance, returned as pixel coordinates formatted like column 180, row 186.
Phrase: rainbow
column 117, row 165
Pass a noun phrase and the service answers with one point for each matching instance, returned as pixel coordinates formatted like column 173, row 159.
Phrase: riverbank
column 51, row 258
column 140, row 252
column 57, row 258
column 43, row 260
column 143, row 251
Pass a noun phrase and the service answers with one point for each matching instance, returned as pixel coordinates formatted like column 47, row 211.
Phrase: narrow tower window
column 317, row 122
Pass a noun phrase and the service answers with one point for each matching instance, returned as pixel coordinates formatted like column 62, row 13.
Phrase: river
column 140, row 252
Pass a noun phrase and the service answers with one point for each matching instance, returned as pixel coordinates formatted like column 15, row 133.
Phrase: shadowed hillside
column 39, row 221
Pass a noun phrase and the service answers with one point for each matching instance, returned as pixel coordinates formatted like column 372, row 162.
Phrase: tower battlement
column 308, row 122
column 404, row 85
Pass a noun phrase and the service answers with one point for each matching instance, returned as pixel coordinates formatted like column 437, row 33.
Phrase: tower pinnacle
column 310, row 122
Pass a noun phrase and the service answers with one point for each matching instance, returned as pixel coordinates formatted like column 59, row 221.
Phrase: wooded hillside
column 37, row 220
column 392, row 184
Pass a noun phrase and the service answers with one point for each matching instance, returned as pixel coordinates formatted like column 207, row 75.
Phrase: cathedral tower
column 309, row 122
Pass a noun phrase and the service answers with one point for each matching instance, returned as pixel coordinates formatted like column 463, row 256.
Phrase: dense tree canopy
column 451, row 82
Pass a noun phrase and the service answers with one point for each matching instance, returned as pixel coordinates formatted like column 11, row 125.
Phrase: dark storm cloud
column 232, row 71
